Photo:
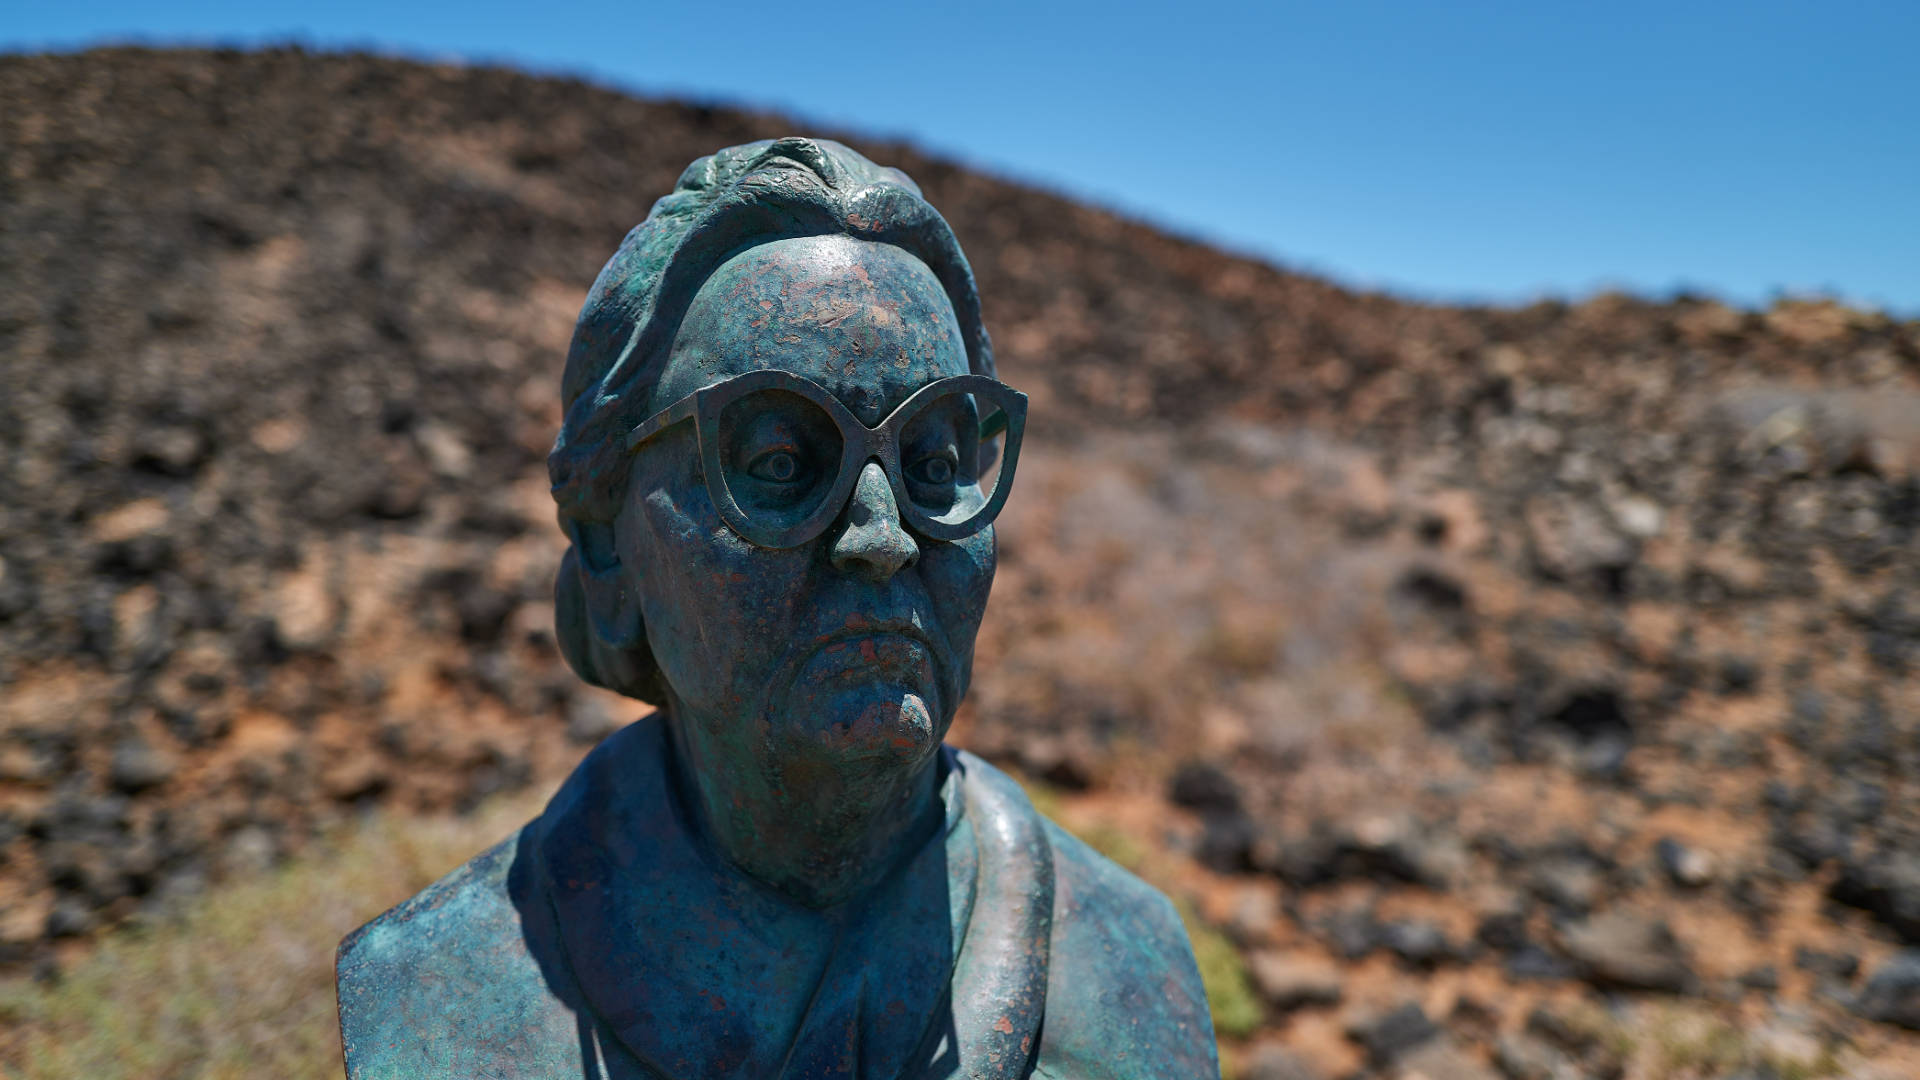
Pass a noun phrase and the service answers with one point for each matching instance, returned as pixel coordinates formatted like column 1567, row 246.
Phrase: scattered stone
column 1638, row 516
column 1814, row 843
column 1417, row 944
column 1394, row 848
column 1525, row 1057
column 137, row 765
column 1202, row 786
column 305, row 611
column 1574, row 541
column 1571, row 884
column 1301, row 861
column 1503, row 930
column 1830, row 965
column 1255, row 913
column 1272, row 1062
column 1886, row 883
column 1442, row 1060
column 1621, row 949
column 1536, row 429
column 250, row 850
column 81, row 817
column 1533, row 962
column 1289, row 981
column 141, row 517
column 1472, row 1020
column 1764, row 978
column 1065, row 761
column 1738, row 675
column 1857, row 801
column 1389, row 1036
column 1559, row 1030
column 172, row 451
column 1226, row 841
column 85, row 870
column 1352, row 933
column 1892, row 994
column 70, row 917
column 483, row 613
column 1685, row 866
column 359, row 773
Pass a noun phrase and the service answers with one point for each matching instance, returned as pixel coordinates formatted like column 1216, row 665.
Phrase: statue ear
column 612, row 609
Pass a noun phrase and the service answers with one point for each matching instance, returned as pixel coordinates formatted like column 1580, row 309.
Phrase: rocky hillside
column 1525, row 692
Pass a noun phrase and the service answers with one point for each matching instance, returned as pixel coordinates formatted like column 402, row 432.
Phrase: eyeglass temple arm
column 679, row 412
column 995, row 424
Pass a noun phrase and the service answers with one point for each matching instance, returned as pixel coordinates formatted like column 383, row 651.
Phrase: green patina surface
column 783, row 872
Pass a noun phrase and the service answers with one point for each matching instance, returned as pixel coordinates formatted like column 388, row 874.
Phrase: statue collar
column 700, row 972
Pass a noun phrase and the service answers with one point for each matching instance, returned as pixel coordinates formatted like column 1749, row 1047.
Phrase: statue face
column 848, row 654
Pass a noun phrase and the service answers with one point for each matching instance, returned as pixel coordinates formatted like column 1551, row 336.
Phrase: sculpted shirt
column 603, row 941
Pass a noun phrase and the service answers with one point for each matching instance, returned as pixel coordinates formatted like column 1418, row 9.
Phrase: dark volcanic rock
column 1350, row 932
column 1417, row 944
column 137, row 765
column 1391, row 1035
column 1765, row 977
column 1892, row 993
column 1226, row 841
column 1624, row 950
column 1202, row 786
column 1886, row 883
column 1530, row 961
column 1830, row 965
column 1227, row 834
column 276, row 501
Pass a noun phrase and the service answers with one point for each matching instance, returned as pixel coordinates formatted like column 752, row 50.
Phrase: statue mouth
column 869, row 652
column 871, row 686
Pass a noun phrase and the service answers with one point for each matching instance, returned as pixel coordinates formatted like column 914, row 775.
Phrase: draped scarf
column 700, row 973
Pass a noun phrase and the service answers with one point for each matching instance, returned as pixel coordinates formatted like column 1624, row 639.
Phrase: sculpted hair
column 723, row 204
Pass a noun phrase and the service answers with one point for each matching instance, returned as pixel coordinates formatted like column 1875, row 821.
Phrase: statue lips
column 873, row 650
column 895, row 653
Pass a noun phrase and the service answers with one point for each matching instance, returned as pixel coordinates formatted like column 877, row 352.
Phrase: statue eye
column 933, row 470
column 777, row 466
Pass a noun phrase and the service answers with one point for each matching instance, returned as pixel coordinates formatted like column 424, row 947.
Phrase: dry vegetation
column 238, row 983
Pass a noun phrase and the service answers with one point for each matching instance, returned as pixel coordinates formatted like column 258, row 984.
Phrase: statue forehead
column 868, row 321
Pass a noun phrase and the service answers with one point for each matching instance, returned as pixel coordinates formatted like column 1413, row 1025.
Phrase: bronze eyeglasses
column 781, row 455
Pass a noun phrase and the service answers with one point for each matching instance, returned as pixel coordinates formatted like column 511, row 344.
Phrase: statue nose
column 873, row 545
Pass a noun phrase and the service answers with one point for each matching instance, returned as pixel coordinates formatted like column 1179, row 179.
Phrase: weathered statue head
column 781, row 459
column 782, row 452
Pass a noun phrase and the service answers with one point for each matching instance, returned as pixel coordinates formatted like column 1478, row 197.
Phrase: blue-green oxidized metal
column 782, row 454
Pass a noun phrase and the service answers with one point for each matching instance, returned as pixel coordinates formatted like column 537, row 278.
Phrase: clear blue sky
column 1450, row 150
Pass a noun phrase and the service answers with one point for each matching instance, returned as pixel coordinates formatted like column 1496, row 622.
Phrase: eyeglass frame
column 860, row 444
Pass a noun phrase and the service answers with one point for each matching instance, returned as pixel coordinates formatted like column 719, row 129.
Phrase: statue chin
column 882, row 723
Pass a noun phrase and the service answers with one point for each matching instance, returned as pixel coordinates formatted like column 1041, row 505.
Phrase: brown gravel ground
column 1549, row 670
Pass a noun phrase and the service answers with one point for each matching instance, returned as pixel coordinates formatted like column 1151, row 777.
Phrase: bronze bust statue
column 783, row 450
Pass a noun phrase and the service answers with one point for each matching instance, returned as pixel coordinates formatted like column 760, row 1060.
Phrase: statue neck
column 821, row 835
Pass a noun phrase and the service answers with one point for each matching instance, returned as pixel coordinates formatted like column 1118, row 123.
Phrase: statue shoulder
column 1124, row 997
column 444, row 984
